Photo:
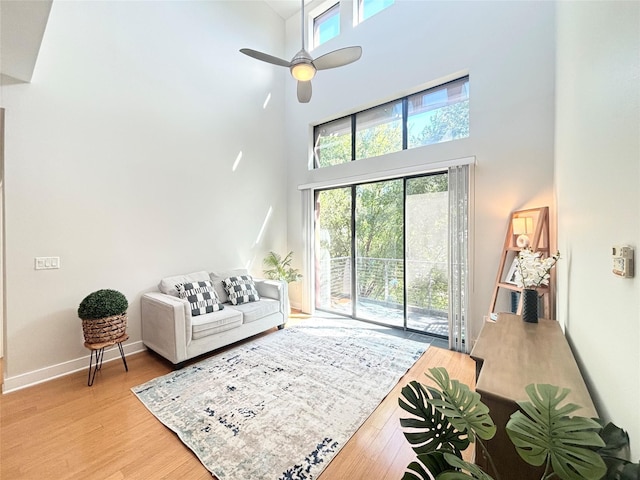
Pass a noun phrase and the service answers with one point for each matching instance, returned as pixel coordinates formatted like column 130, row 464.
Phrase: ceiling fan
column 303, row 66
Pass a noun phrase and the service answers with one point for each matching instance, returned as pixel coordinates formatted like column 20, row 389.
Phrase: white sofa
column 170, row 329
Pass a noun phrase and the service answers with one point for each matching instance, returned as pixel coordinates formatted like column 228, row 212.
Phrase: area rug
column 280, row 407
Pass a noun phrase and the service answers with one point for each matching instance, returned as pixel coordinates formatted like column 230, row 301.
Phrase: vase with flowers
column 532, row 271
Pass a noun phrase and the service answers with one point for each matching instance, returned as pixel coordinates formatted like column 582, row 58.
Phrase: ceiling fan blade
column 338, row 58
column 304, row 92
column 265, row 57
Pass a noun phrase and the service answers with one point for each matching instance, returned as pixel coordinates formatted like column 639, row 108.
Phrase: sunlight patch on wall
column 266, row 102
column 249, row 263
column 264, row 225
column 235, row 164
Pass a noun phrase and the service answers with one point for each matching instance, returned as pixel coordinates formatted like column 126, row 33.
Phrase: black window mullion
column 404, row 246
column 353, row 137
column 354, row 293
column 405, row 118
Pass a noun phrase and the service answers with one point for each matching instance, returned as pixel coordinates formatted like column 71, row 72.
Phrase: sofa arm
column 277, row 290
column 166, row 325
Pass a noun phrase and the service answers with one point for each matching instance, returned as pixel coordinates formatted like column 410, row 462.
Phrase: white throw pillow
column 168, row 284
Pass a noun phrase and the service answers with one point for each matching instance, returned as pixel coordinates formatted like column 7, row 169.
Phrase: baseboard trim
column 42, row 375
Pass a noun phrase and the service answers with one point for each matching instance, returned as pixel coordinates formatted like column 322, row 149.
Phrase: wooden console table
column 510, row 354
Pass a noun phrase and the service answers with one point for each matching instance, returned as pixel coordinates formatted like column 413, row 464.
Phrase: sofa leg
column 179, row 366
column 280, row 327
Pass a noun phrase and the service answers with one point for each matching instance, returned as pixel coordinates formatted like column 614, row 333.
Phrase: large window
column 326, row 25
column 439, row 114
column 368, row 8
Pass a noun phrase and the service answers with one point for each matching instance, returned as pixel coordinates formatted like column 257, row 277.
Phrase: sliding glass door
column 426, row 254
column 379, row 257
column 333, row 244
column 381, row 252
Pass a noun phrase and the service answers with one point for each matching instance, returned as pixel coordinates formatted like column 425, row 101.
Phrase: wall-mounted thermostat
column 623, row 261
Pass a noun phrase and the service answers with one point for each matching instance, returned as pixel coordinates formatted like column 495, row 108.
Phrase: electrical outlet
column 47, row 263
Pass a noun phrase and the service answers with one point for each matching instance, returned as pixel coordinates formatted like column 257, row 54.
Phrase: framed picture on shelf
column 511, row 274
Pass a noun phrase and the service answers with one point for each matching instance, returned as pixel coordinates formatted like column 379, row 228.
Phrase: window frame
column 358, row 11
column 404, row 122
column 328, row 9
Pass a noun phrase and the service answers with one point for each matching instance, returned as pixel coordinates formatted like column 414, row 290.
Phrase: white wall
column 119, row 160
column 597, row 183
column 119, row 155
column 507, row 48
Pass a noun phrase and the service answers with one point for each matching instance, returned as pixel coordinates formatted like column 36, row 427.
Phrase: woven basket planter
column 102, row 330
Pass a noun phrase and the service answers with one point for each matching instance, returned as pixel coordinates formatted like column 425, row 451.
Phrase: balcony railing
column 381, row 281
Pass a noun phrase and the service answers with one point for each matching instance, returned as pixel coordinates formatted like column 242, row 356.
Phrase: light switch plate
column 47, row 263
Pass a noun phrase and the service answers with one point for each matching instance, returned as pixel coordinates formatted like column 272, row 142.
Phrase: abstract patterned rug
column 280, row 407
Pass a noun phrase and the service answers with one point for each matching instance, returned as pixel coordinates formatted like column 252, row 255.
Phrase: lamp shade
column 522, row 225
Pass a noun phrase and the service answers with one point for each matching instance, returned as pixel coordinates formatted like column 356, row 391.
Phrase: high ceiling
column 22, row 25
column 285, row 8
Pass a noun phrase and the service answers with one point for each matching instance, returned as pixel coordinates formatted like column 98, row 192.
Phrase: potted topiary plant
column 104, row 316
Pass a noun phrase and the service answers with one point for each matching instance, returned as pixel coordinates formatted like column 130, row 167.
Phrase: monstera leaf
column 428, row 466
column 443, row 466
column 547, row 433
column 461, row 406
column 616, row 454
column 474, row 470
column 429, row 430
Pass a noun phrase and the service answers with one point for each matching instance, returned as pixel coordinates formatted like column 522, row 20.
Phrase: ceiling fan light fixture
column 303, row 67
column 303, row 71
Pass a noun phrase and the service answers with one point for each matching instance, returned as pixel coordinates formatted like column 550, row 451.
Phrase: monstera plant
column 545, row 434
column 447, row 418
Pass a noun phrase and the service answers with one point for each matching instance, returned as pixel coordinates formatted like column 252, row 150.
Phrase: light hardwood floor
column 63, row 429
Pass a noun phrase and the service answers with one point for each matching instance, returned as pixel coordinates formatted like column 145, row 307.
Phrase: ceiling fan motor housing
column 302, row 67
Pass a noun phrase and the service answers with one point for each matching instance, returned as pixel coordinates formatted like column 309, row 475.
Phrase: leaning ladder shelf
column 539, row 242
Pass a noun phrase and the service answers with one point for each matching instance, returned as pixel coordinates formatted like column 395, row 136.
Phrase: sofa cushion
column 168, row 284
column 241, row 289
column 201, row 296
column 256, row 310
column 217, row 278
column 214, row 323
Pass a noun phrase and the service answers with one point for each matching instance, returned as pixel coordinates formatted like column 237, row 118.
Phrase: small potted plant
column 279, row 268
column 104, row 316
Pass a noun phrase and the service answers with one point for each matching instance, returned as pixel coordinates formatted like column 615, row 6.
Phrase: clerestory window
column 368, row 8
column 436, row 115
column 326, row 25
